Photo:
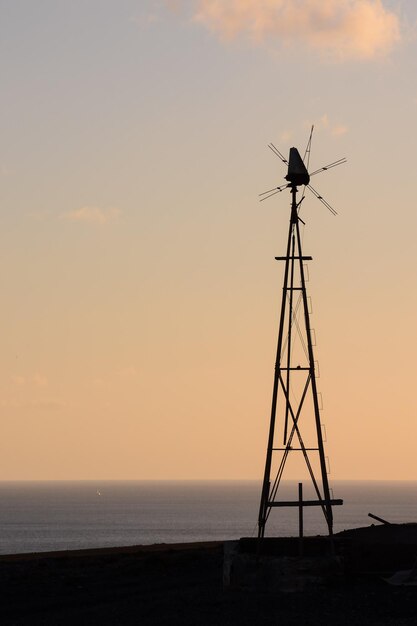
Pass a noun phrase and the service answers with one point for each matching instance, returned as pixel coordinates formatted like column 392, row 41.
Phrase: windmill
column 295, row 399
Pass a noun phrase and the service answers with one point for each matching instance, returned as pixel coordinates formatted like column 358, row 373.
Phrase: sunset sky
column 140, row 295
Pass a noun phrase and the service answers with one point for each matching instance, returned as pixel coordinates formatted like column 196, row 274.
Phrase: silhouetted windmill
column 295, row 401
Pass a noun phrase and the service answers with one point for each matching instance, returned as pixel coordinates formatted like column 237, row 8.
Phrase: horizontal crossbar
column 306, row 503
column 303, row 258
column 291, row 449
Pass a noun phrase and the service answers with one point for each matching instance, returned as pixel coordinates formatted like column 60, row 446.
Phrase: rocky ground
column 181, row 584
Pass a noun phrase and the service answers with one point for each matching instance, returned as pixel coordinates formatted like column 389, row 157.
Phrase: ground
column 181, row 584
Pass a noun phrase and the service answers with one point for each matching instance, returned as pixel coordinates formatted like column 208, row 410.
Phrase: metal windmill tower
column 295, row 424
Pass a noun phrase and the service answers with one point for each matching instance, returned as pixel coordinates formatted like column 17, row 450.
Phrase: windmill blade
column 329, row 167
column 308, row 149
column 277, row 153
column 276, row 189
column 319, row 197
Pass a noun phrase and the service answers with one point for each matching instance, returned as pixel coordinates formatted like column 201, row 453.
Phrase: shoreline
column 140, row 549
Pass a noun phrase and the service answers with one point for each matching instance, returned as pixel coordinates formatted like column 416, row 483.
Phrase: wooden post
column 300, row 517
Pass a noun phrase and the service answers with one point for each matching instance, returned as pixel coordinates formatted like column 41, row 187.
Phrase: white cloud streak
column 324, row 123
column 37, row 380
column 339, row 30
column 92, row 215
column 49, row 404
column 40, row 381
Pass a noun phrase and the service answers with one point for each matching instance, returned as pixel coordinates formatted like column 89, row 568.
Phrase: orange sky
column 140, row 292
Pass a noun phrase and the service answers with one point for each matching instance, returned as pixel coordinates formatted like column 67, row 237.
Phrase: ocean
column 58, row 515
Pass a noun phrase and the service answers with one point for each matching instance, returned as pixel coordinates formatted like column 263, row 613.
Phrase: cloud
column 48, row 404
column 286, row 136
column 5, row 171
column 39, row 215
column 40, row 381
column 326, row 124
column 128, row 372
column 175, row 6
column 145, row 20
column 37, row 380
column 92, row 215
column 339, row 130
column 18, row 380
column 337, row 29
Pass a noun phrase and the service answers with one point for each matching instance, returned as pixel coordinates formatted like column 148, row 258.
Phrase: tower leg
column 263, row 508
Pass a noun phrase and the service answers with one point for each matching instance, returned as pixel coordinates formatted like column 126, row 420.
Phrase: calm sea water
column 42, row 516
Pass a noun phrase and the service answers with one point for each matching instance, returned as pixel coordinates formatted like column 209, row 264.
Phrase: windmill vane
column 297, row 171
column 298, row 174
